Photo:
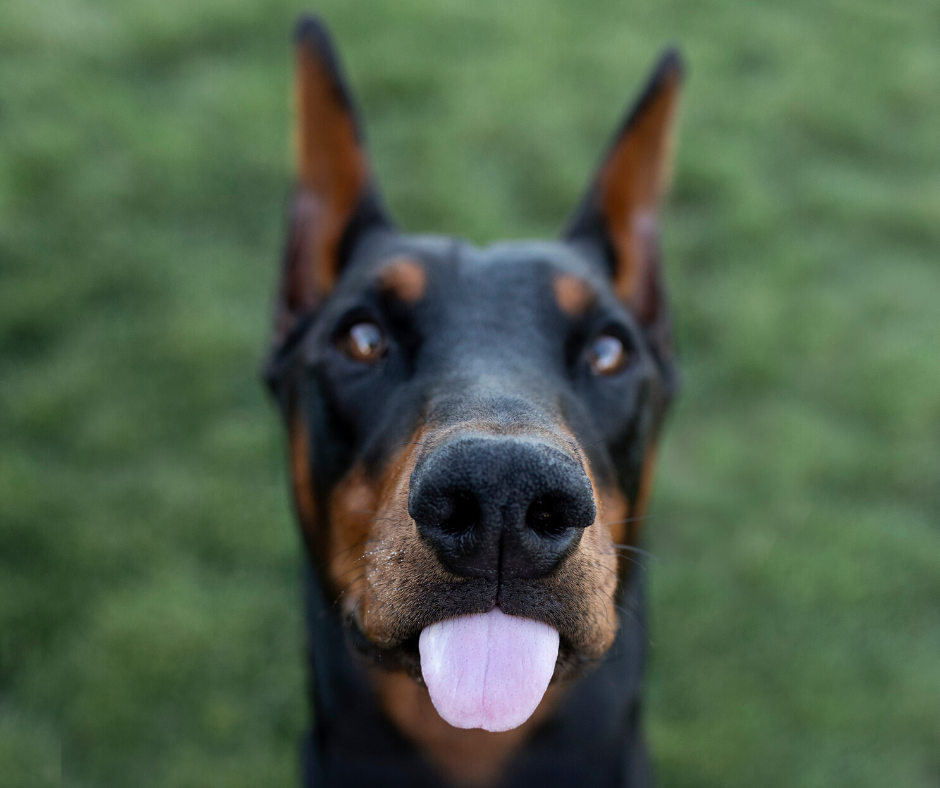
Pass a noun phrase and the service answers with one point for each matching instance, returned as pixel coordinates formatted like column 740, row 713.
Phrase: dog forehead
column 502, row 270
column 554, row 254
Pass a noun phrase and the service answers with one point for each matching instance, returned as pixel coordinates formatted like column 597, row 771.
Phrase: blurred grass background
column 149, row 603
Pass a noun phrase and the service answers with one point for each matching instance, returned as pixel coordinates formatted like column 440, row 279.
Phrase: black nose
column 501, row 507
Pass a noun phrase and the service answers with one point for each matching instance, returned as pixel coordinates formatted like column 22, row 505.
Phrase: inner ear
column 335, row 200
column 618, row 217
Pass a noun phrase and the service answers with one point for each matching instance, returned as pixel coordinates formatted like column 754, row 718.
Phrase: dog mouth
column 485, row 670
column 406, row 655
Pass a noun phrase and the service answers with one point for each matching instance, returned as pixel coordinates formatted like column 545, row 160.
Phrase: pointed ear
column 335, row 199
column 618, row 216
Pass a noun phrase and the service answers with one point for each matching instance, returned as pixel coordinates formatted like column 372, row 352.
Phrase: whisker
column 349, row 585
column 631, row 613
column 628, row 520
column 638, row 550
column 361, row 543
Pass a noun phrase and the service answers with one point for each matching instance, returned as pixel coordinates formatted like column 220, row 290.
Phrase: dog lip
column 404, row 654
column 569, row 665
column 401, row 656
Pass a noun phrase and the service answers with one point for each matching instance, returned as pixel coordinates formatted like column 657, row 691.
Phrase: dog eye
column 607, row 354
column 363, row 342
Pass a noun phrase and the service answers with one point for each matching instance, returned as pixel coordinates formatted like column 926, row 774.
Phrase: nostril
column 491, row 508
column 464, row 515
column 546, row 517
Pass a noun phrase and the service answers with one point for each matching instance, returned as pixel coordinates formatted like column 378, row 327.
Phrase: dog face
column 470, row 428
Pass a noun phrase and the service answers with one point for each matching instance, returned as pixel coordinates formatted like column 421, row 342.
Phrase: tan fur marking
column 615, row 510
column 467, row 758
column 405, row 279
column 376, row 560
column 352, row 509
column 333, row 172
column 573, row 295
column 631, row 184
column 644, row 493
column 300, row 475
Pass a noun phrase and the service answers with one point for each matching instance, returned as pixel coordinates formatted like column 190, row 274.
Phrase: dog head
column 471, row 428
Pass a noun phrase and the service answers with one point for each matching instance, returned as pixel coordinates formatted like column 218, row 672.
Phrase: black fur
column 487, row 341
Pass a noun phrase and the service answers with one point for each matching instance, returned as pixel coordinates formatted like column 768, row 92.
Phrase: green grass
column 149, row 617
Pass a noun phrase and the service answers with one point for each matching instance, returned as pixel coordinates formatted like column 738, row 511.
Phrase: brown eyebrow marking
column 573, row 295
column 404, row 278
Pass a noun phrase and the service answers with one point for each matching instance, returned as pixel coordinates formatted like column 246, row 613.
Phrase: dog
column 472, row 434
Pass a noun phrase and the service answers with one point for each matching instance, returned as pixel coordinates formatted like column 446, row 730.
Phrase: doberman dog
column 472, row 433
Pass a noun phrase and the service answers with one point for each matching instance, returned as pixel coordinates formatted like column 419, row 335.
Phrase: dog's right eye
column 363, row 341
column 607, row 354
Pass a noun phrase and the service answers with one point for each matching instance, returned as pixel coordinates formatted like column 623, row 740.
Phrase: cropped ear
column 618, row 216
column 335, row 199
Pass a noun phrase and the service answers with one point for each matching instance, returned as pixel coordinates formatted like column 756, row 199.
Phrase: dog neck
column 591, row 737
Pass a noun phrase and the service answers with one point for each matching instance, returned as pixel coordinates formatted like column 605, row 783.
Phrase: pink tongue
column 488, row 671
